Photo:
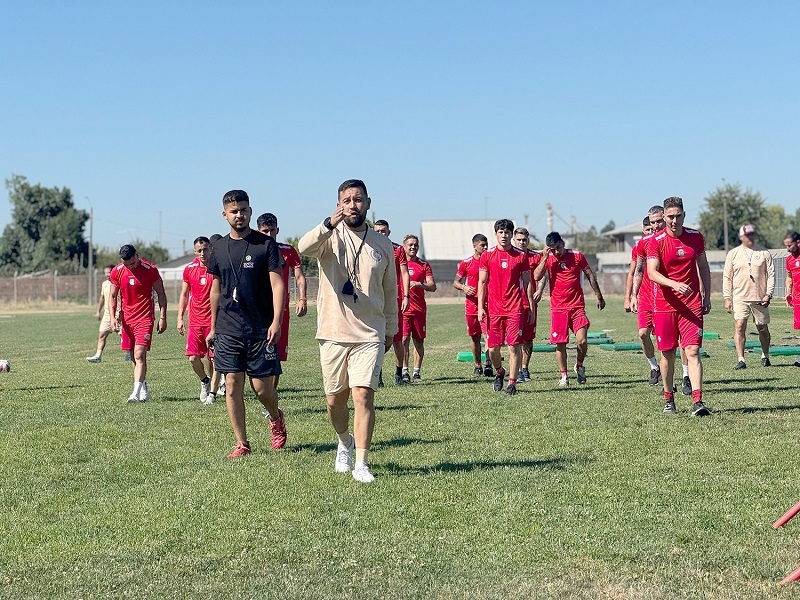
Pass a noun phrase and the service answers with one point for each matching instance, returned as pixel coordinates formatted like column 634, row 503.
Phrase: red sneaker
column 240, row 449
column 278, row 429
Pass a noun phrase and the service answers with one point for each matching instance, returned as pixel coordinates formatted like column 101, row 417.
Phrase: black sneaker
column 524, row 375
column 511, row 389
column 740, row 365
column 416, row 376
column 687, row 386
column 699, row 410
column 669, row 408
column 477, row 371
column 498, row 383
column 398, row 380
column 655, row 376
column 488, row 371
column 765, row 362
column 406, row 378
column 380, row 380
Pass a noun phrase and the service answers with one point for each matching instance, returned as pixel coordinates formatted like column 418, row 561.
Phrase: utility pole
column 90, row 269
column 725, row 212
column 549, row 208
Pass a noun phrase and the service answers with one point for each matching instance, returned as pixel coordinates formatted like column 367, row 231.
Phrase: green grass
column 588, row 492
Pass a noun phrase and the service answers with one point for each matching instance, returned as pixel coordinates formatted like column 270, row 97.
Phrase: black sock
column 398, row 370
column 205, row 379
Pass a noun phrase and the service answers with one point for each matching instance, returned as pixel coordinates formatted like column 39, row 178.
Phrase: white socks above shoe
column 652, row 362
column 685, row 370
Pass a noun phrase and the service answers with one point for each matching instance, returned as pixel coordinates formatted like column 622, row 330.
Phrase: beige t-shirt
column 749, row 274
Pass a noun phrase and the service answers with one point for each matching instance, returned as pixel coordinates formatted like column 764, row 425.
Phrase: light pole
column 91, row 253
column 725, row 213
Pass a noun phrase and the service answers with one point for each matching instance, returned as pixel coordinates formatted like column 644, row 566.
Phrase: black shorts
column 245, row 355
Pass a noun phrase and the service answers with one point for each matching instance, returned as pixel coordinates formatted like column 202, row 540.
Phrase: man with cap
column 136, row 280
column 748, row 282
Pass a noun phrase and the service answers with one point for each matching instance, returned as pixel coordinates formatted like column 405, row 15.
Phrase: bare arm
column 213, row 298
column 638, row 273
column 482, row 278
column 406, row 286
column 629, row 287
column 278, row 298
column 590, row 276
column 527, row 285
column 183, row 301
column 705, row 282
column 158, row 286
column 787, row 290
column 112, row 311
column 302, row 300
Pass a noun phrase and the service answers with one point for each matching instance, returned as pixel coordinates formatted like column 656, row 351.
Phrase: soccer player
column 639, row 290
column 677, row 264
column 414, row 318
column 403, row 296
column 195, row 294
column 102, row 315
column 466, row 280
column 504, row 274
column 133, row 281
column 246, row 310
column 792, row 243
column 522, row 242
column 567, row 303
column 748, row 283
column 356, row 319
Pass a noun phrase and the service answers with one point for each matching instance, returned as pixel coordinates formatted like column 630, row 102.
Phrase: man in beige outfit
column 356, row 319
column 748, row 283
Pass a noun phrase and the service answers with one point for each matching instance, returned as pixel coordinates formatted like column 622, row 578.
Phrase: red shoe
column 240, row 449
column 278, row 429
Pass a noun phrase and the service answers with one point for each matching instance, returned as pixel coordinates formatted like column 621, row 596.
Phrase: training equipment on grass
column 788, row 516
column 773, row 350
column 711, row 335
column 467, row 357
column 618, row 347
column 747, row 344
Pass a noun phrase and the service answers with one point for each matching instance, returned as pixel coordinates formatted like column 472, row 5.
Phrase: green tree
column 773, row 226
column 742, row 207
column 310, row 265
column 151, row 251
column 46, row 230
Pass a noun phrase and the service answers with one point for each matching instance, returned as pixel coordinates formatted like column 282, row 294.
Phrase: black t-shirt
column 243, row 267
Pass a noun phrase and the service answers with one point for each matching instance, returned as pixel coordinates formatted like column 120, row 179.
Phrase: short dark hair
column 215, row 236
column 410, row 236
column 646, row 222
column 655, row 209
column 673, row 202
column 351, row 183
column 201, row 240
column 504, row 224
column 553, row 238
column 234, row 197
column 479, row 237
column 382, row 223
column 127, row 251
column 522, row 231
column 109, row 266
column 793, row 235
column 267, row 219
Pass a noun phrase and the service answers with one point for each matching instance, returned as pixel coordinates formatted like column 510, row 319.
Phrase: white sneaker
column 210, row 399
column 144, row 393
column 133, row 398
column 94, row 359
column 361, row 473
column 344, row 456
column 563, row 382
column 204, row 389
column 221, row 388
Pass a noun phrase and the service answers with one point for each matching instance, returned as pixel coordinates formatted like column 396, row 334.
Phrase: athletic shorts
column 743, row 310
column 105, row 324
column 346, row 366
column 283, row 342
column 670, row 327
column 139, row 333
column 398, row 337
column 196, row 340
column 796, row 310
column 528, row 329
column 562, row 321
column 245, row 355
column 475, row 327
column 413, row 325
column 645, row 316
column 504, row 330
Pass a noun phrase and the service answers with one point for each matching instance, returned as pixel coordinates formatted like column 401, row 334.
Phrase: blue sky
column 152, row 111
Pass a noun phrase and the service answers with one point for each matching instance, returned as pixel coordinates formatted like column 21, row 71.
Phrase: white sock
column 361, row 455
column 137, row 386
column 652, row 362
column 416, row 370
column 685, row 370
column 741, row 358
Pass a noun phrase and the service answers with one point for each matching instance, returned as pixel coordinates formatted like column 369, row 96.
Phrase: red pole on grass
column 787, row 516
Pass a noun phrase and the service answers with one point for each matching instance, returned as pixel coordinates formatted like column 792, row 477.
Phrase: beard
column 356, row 221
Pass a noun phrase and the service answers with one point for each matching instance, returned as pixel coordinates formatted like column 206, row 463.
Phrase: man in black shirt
column 247, row 298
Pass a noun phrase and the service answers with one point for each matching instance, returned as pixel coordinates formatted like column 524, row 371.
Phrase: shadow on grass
column 34, row 388
column 747, row 410
column 395, row 443
column 556, row 463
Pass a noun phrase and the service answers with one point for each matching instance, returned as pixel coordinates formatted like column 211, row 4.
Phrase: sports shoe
column 765, row 361
column 669, row 408
column 205, row 388
column 278, row 429
column 524, row 375
column 581, row 372
column 699, row 409
column 416, row 376
column 686, row 388
column 563, row 382
column 398, row 380
column 344, row 456
column 361, row 473
column 477, row 370
column 133, row 398
column 211, row 398
column 488, row 371
column 221, row 388
column 406, row 377
column 128, row 356
column 498, row 383
column 740, row 365
column 380, row 379
column 94, row 359
column 144, row 392
column 240, row 449
column 511, row 389
column 655, row 376
column 796, row 363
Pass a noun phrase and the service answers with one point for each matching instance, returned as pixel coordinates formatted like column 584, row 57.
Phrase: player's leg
column 761, row 317
column 362, row 375
column 739, row 330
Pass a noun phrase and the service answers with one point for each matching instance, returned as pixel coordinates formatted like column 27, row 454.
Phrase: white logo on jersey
column 377, row 255
column 503, row 265
column 132, row 281
column 411, row 271
column 681, row 252
column 202, row 281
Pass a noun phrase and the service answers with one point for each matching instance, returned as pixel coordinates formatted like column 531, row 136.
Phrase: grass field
column 588, row 492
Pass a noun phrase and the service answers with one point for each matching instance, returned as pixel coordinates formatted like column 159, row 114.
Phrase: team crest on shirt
column 681, row 252
column 131, row 280
column 503, row 264
column 202, row 281
column 377, row 255
column 411, row 271
column 563, row 265
column 797, row 263
column 248, row 262
column 148, row 336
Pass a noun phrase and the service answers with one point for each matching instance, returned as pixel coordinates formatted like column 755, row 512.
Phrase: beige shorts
column 345, row 366
column 743, row 310
column 105, row 324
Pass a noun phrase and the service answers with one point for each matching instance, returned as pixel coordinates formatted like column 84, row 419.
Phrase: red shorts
column 283, row 341
column 125, row 342
column 398, row 337
column 528, row 328
column 561, row 321
column 645, row 317
column 670, row 327
column 475, row 327
column 504, row 330
column 413, row 325
column 196, row 341
column 140, row 333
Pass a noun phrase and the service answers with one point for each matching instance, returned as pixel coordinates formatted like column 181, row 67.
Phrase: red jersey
column 418, row 270
column 468, row 271
column 504, row 270
column 400, row 258
column 136, row 290
column 678, row 256
column 292, row 260
column 566, row 290
column 646, row 289
column 534, row 258
column 199, row 282
column 793, row 267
